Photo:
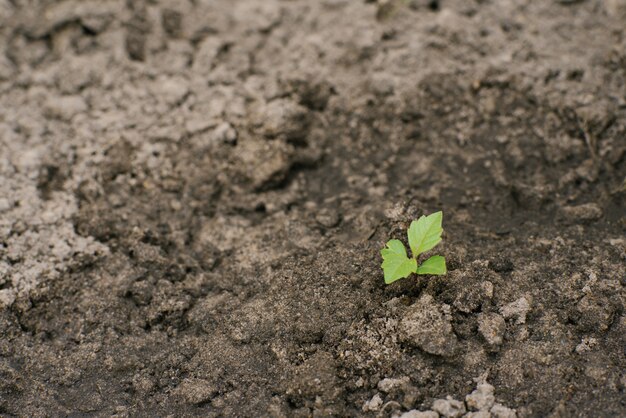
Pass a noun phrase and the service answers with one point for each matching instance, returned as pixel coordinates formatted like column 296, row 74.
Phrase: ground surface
column 193, row 196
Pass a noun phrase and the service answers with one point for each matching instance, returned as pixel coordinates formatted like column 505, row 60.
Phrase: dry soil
column 194, row 194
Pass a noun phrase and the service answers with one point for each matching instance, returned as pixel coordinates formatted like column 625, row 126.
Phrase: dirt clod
column 491, row 327
column 482, row 398
column 449, row 407
column 425, row 326
column 582, row 213
column 501, row 411
column 517, row 310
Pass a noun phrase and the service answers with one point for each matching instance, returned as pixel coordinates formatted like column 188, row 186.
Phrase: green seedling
column 424, row 234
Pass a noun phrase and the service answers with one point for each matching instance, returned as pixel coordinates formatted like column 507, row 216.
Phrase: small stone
column 582, row 213
column 373, row 404
column 387, row 385
column 492, row 326
column 501, row 411
column 419, row 414
column 426, row 326
column 517, row 309
column 482, row 398
column 449, row 407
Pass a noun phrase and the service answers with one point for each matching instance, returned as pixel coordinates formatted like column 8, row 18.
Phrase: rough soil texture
column 193, row 196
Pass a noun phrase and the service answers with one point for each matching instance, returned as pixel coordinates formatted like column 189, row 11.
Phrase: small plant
column 424, row 234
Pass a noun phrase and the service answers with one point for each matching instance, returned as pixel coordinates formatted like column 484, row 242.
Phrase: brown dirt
column 193, row 196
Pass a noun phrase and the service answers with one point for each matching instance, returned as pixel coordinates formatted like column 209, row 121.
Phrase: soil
column 194, row 194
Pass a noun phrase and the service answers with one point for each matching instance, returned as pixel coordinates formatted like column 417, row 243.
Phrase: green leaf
column 425, row 233
column 396, row 264
column 434, row 265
